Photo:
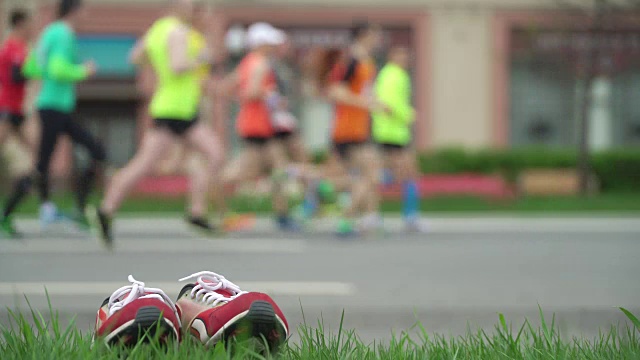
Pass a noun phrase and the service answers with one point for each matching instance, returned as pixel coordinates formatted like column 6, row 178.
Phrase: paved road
column 462, row 273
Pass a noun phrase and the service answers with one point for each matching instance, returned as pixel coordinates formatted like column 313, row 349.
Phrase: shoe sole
column 259, row 330
column 149, row 325
column 204, row 232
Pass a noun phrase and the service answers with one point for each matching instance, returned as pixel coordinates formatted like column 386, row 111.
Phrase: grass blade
column 634, row 320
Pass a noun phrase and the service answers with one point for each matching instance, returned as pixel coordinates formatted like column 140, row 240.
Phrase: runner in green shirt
column 54, row 61
column 392, row 130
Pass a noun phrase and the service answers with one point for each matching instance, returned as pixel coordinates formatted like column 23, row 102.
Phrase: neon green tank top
column 177, row 96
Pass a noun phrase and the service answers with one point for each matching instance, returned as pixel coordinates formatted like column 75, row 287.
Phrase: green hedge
column 617, row 170
column 506, row 162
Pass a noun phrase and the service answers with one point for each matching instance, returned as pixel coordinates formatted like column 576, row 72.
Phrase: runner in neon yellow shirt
column 178, row 64
column 392, row 130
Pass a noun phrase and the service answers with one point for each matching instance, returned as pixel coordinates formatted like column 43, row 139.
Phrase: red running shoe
column 215, row 309
column 135, row 313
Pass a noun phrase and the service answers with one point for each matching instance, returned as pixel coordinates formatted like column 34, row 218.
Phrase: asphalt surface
column 458, row 276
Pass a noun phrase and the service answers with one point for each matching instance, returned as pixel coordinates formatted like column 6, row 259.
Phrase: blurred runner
column 182, row 158
column 258, row 93
column 351, row 88
column 178, row 61
column 300, row 172
column 285, row 123
column 12, row 82
column 54, row 61
column 392, row 132
column 12, row 93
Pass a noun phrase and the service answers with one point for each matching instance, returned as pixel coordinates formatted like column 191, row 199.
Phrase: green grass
column 34, row 338
column 609, row 202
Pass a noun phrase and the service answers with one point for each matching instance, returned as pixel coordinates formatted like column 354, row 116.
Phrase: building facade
column 487, row 73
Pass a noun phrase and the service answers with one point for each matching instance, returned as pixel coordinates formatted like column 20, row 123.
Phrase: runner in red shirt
column 12, row 93
column 12, row 82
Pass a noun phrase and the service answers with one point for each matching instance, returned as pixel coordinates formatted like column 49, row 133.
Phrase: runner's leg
column 247, row 165
column 81, row 136
column 203, row 139
column 154, row 144
column 52, row 124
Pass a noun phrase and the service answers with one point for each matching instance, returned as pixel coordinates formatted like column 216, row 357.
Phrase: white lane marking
column 128, row 228
column 560, row 225
column 124, row 246
column 92, row 288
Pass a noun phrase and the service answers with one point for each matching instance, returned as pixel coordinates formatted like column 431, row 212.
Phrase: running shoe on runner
column 287, row 223
column 238, row 222
column 370, row 223
column 103, row 224
column 416, row 225
column 50, row 214
column 201, row 224
column 80, row 219
column 346, row 228
column 213, row 309
column 136, row 313
column 8, row 228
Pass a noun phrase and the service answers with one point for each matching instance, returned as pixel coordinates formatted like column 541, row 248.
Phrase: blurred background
column 491, row 77
column 522, row 105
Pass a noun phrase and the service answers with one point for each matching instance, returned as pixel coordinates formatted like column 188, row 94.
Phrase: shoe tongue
column 123, row 296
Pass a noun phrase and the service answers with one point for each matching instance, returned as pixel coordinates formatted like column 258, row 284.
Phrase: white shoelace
column 136, row 290
column 207, row 283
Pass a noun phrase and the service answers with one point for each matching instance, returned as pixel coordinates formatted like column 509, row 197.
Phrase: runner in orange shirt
column 350, row 87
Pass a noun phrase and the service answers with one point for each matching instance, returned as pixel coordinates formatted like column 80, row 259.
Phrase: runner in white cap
column 255, row 83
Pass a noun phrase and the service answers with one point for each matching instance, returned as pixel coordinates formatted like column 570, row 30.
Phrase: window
column 542, row 103
column 110, row 52
column 548, row 79
column 114, row 123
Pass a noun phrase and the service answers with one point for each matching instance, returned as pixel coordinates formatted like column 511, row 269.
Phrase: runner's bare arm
column 138, row 54
column 227, row 85
column 255, row 90
column 178, row 51
column 340, row 93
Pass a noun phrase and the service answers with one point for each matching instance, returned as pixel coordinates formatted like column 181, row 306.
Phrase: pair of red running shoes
column 212, row 309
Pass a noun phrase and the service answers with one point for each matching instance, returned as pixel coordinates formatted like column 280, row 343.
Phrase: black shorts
column 284, row 135
column 16, row 120
column 177, row 127
column 343, row 149
column 256, row 141
column 391, row 148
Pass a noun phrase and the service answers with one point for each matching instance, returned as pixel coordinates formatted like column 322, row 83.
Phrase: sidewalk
column 172, row 223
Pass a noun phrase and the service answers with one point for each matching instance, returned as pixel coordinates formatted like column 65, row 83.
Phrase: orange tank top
column 351, row 123
column 254, row 118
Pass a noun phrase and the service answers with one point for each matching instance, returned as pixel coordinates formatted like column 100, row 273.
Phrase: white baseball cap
column 263, row 33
